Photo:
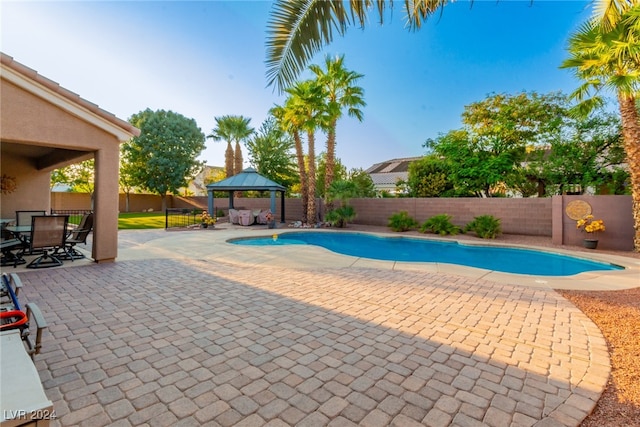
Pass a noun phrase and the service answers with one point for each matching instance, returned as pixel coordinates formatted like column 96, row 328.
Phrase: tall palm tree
column 342, row 92
column 306, row 107
column 232, row 129
column 291, row 123
column 298, row 29
column 610, row 59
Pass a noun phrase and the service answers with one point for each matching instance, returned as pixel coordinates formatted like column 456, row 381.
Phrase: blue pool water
column 508, row 260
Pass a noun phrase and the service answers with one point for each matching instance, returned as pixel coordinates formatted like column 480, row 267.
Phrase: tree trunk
column 163, row 197
column 631, row 137
column 238, row 167
column 228, row 160
column 330, row 162
column 311, row 210
column 302, row 171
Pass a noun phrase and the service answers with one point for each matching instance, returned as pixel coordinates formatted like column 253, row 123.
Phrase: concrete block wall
column 518, row 216
column 531, row 216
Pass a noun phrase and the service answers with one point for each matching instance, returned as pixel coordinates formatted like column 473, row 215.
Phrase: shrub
column 440, row 224
column 339, row 216
column 401, row 221
column 485, row 226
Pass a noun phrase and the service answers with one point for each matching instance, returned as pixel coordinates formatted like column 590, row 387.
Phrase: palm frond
column 584, row 108
column 417, row 11
column 297, row 31
column 607, row 13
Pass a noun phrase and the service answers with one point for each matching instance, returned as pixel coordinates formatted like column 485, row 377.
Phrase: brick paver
column 164, row 341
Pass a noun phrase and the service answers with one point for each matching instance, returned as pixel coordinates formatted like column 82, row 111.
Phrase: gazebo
column 247, row 180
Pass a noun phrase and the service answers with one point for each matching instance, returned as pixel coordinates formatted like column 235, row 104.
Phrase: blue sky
column 205, row 59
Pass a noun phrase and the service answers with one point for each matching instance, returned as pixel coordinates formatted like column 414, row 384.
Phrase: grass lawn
column 141, row 220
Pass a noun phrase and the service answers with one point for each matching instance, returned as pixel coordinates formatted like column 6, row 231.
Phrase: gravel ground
column 617, row 314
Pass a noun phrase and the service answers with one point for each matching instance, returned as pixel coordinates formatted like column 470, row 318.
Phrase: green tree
column 604, row 55
column 521, row 119
column 233, row 129
column 588, row 156
column 341, row 93
column 297, row 30
column 339, row 172
column 491, row 147
column 363, row 182
column 476, row 165
column 428, row 177
column 126, row 177
column 164, row 155
column 270, row 152
column 78, row 176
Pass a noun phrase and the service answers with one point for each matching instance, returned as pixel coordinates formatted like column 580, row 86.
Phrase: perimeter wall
column 530, row 216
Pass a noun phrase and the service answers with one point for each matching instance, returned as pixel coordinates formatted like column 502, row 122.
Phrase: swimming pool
column 507, row 260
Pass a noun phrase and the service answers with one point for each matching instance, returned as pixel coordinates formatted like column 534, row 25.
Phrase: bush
column 485, row 226
column 440, row 224
column 339, row 216
column 401, row 221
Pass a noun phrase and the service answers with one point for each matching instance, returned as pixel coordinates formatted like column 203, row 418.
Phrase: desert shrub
column 440, row 224
column 401, row 221
column 485, row 226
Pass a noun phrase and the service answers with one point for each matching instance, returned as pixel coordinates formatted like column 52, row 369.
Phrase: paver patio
column 155, row 339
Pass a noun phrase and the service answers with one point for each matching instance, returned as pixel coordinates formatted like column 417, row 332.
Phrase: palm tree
column 298, row 29
column 339, row 85
column 289, row 122
column 232, row 129
column 605, row 54
column 306, row 108
column 308, row 103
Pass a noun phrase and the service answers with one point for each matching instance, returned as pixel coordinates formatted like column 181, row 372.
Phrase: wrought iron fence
column 75, row 215
column 181, row 218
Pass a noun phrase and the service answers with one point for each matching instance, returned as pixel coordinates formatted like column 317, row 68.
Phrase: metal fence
column 181, row 218
column 75, row 215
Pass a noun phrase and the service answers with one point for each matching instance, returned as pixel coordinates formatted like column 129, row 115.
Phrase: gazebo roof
column 248, row 179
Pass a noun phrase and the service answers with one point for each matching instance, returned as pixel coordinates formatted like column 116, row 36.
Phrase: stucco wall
column 27, row 176
column 55, row 127
column 616, row 213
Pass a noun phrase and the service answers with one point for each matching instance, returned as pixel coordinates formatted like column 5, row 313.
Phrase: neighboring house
column 386, row 174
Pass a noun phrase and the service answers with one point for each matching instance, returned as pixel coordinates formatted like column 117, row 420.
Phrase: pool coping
column 213, row 245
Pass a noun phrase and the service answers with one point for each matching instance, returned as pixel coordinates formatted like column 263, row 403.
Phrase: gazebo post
column 210, row 204
column 230, row 199
column 272, row 205
column 282, row 207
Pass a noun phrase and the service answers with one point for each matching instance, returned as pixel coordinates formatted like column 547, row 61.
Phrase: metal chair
column 24, row 217
column 48, row 233
column 77, row 235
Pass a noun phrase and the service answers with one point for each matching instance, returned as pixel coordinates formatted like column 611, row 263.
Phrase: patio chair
column 77, row 235
column 24, row 217
column 48, row 233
